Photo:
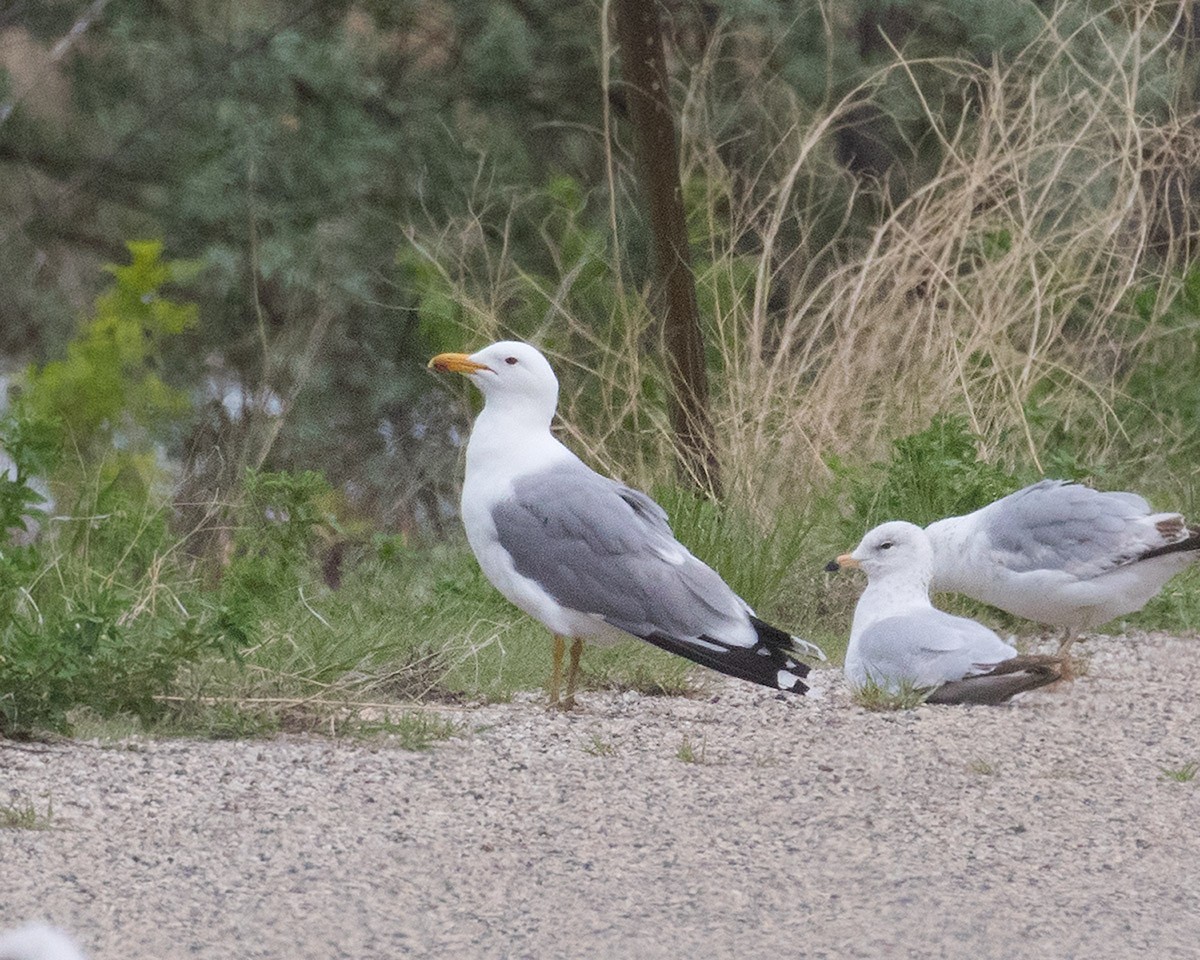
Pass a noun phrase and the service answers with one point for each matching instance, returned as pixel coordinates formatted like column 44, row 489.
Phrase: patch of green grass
column 22, row 814
column 873, row 697
column 689, row 753
column 409, row 730
column 754, row 556
column 1182, row 774
column 776, row 563
column 599, row 747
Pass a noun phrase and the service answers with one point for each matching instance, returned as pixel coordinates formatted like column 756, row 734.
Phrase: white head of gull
column 899, row 639
column 591, row 558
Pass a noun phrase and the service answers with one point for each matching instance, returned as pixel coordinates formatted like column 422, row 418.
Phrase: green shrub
column 277, row 528
column 31, row 446
column 934, row 473
column 89, row 654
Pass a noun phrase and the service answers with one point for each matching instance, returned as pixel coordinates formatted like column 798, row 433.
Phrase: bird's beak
column 845, row 560
column 456, row 363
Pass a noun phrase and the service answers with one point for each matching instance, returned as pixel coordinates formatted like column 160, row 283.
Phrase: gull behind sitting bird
column 1062, row 554
column 589, row 557
column 898, row 638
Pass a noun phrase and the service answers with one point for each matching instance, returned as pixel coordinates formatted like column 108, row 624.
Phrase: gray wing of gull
column 929, row 648
column 599, row 547
column 1057, row 525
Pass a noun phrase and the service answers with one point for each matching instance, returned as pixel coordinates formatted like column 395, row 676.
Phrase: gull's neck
column 891, row 594
column 508, row 441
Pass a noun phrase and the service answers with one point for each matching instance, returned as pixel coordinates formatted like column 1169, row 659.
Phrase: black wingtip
column 772, row 662
column 1190, row 544
column 1004, row 681
column 832, row 566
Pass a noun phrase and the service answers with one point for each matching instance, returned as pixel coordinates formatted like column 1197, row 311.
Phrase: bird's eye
column 886, row 545
column 510, row 360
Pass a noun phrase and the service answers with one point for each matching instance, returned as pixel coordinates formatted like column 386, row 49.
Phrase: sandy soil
column 811, row 829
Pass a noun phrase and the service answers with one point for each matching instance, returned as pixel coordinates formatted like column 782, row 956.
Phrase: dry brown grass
column 1005, row 276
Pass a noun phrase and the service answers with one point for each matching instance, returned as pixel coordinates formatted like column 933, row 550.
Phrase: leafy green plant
column 88, row 651
column 31, row 448
column 933, row 473
column 277, row 527
column 108, row 384
column 92, row 609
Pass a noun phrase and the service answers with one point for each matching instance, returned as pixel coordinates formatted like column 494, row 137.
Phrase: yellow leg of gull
column 560, row 646
column 1069, row 637
column 573, row 673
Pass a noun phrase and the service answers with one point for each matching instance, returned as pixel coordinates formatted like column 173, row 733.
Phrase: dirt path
column 810, row 829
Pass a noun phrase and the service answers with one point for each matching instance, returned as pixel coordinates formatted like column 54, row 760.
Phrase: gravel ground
column 810, row 828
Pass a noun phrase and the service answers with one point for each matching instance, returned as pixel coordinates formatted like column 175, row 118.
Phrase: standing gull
column 1062, row 554
column 898, row 638
column 589, row 557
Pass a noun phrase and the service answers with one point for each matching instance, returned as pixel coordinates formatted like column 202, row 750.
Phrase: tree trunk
column 644, row 70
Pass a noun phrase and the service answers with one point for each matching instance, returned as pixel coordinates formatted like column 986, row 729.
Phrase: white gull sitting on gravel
column 1062, row 554
column 899, row 639
column 589, row 557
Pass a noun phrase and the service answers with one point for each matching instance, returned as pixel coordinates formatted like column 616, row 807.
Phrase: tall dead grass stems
column 842, row 312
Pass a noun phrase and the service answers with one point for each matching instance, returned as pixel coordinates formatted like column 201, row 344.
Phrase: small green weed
column 873, row 697
column 688, row 752
column 1183, row 774
column 22, row 814
column 982, row 767
column 644, row 669
column 599, row 747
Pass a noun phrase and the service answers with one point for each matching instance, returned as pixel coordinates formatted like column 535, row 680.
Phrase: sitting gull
column 1062, row 554
column 589, row 557
column 898, row 638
